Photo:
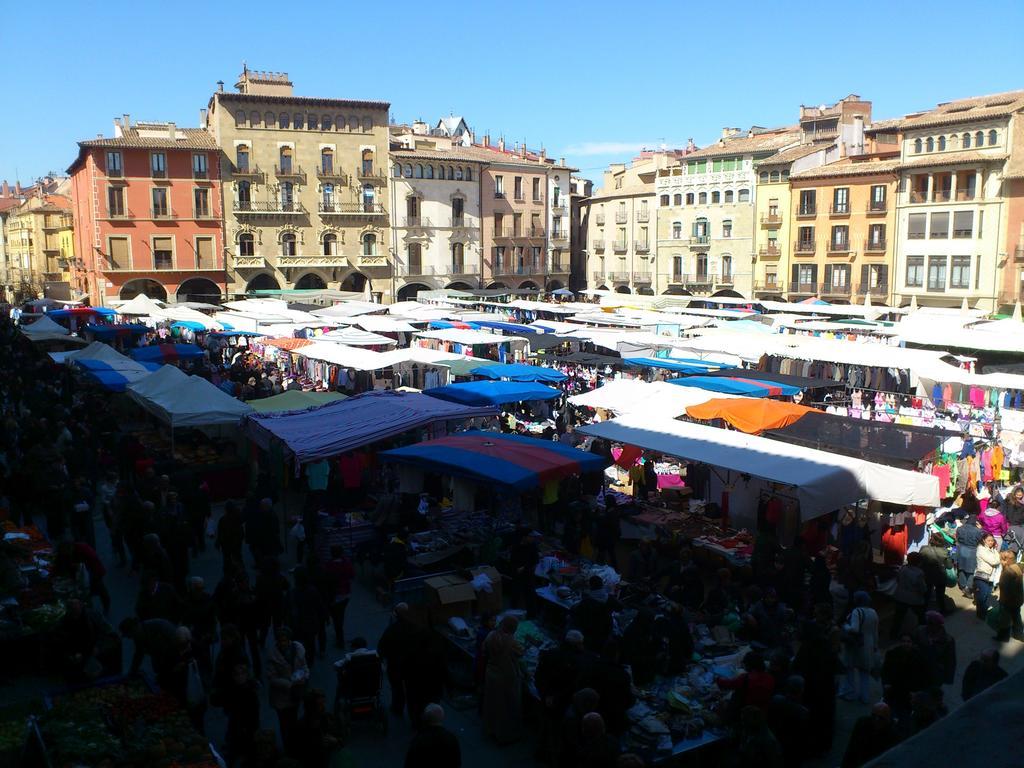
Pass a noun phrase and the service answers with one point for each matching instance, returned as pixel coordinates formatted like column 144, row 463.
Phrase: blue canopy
column 441, row 325
column 492, row 392
column 107, row 332
column 737, row 386
column 115, row 377
column 191, row 325
column 166, row 353
column 230, row 331
column 80, row 311
column 562, row 292
column 679, row 365
column 519, row 372
column 495, row 458
column 504, row 325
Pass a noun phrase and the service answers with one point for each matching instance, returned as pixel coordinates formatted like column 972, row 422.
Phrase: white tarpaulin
column 356, row 337
column 823, row 481
column 140, row 305
column 181, row 400
column 635, row 396
column 44, row 325
column 467, row 336
column 347, row 357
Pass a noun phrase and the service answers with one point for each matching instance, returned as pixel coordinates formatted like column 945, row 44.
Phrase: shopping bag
column 997, row 618
column 951, row 577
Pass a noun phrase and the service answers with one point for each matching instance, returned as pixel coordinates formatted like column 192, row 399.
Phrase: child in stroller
column 360, row 677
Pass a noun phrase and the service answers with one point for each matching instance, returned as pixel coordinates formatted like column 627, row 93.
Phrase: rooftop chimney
column 202, row 119
column 501, row 143
column 220, row 86
column 690, row 146
column 487, row 139
column 561, row 161
column 543, row 154
column 5, row 190
column 172, row 131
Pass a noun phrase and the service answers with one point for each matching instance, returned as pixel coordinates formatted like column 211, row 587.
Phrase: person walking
column 911, row 594
column 394, row 647
column 1011, row 597
column 287, row 675
column 860, row 648
column 338, row 575
column 984, row 573
column 433, row 746
column 968, row 537
column 935, row 561
column 503, row 712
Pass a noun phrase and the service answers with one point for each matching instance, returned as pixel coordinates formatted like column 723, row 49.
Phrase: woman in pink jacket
column 993, row 521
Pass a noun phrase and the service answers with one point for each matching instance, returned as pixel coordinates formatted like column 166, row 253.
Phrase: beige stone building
column 305, row 188
column 38, row 246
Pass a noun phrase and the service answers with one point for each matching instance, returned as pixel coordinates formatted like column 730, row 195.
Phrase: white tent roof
column 95, row 351
column 952, row 331
column 636, row 396
column 356, row 337
column 140, row 305
column 823, row 481
column 186, row 401
column 417, row 355
column 44, row 325
column 350, row 309
column 340, row 354
column 180, row 312
column 380, row 324
column 467, row 336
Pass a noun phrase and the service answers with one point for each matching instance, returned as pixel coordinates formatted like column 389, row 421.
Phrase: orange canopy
column 288, row 343
column 749, row 414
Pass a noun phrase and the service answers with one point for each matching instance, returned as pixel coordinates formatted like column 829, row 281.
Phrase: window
column 458, row 258
column 328, row 197
column 729, row 195
column 119, row 255
column 246, row 244
column 311, row 122
column 327, row 160
column 287, row 191
column 916, row 226
column 499, row 258
column 412, row 208
column 773, row 208
column 469, row 174
column 369, row 245
column 297, row 121
column 428, row 172
column 805, row 238
column 915, row 271
column 993, row 137
column 874, row 276
column 808, row 202
column 701, row 229
column 917, row 146
column 367, row 162
column 163, row 253
column 369, row 198
column 837, row 275
column 677, row 268
column 458, row 211
column 963, row 224
column 408, row 170
column 242, row 158
column 536, row 190
column 876, row 237
column 451, row 174
column 689, row 198
column 877, row 202
column 114, row 164
column 417, row 171
column 244, row 195
column 841, row 200
column 979, row 139
column 414, row 258
column 716, row 196
column 115, row 201
column 743, row 196
column 774, row 177
column 702, row 198
column 677, row 230
column 458, row 173
column 727, row 228
column 726, row 268
column 160, row 209
column 158, row 165
column 936, row 273
column 677, row 199
column 517, row 187
column 939, row 229
column 201, row 202
column 664, row 200
column 942, row 143
column 840, row 238
column 270, row 119
column 289, row 244
column 499, row 186
column 204, row 253
column 805, row 277
column 763, row 177
column 240, row 118
column 199, row 165
column 960, row 272
column 965, row 141
column 284, row 121
column 929, row 144
column 326, row 123
column 285, row 158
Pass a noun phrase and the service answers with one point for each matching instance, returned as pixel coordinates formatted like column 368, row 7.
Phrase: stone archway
column 459, row 286
column 356, row 282
column 554, row 285
column 623, row 289
column 262, row 282
column 150, row 288
column 408, row 292
column 199, row 289
column 645, row 291
column 528, row 285
column 310, row 281
column 497, row 286
column 676, row 290
column 728, row 292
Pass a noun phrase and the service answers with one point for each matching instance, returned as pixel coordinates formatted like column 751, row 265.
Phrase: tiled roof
column 966, row 110
column 250, row 98
column 848, row 168
column 791, row 154
column 478, row 154
column 188, row 138
column 884, row 125
column 7, row 203
column 745, row 145
column 952, row 158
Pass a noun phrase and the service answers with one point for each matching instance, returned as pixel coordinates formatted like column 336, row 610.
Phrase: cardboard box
column 448, row 596
column 489, row 602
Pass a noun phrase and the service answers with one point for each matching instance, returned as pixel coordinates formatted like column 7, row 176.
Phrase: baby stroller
column 360, row 678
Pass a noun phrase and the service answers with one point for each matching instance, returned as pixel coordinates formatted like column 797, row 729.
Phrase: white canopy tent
column 822, row 481
column 140, row 305
column 350, row 309
column 467, row 336
column 180, row 400
column 356, row 337
column 340, row 354
column 44, row 326
column 636, row 396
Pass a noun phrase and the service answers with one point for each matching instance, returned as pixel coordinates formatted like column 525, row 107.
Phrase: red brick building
column 148, row 213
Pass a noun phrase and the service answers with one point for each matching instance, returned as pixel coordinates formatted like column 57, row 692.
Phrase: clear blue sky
column 591, row 81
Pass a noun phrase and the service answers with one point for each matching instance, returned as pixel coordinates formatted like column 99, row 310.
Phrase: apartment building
column 39, row 248
column 305, row 185
column 621, row 241
column 1012, row 289
column 580, row 191
column 7, row 273
column 953, row 242
column 705, row 213
column 148, row 207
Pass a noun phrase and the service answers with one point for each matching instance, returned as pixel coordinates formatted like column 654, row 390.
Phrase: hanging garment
column 894, row 544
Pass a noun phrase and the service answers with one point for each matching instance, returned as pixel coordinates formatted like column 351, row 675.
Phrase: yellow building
column 39, row 237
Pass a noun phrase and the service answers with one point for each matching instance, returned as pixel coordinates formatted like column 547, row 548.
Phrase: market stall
column 294, row 400
column 483, row 393
column 519, row 372
column 166, row 353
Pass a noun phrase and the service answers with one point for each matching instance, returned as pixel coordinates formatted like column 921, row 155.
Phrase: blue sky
column 592, row 81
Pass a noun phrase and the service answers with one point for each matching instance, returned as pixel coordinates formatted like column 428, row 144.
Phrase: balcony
column 641, row 278
column 839, row 246
column 415, row 222
column 371, row 176
column 559, row 267
column 598, row 276
column 874, row 246
column 312, row 260
column 806, row 211
column 372, row 260
column 769, row 252
column 200, row 174
column 804, row 246
column 769, row 286
column 620, row 246
column 290, row 172
column 535, row 232
column 880, row 290
column 332, row 174
column 919, row 196
column 877, row 208
column 599, row 219
column 964, row 195
column 803, row 288
column 700, row 243
column 527, row 268
column 621, row 217
column 828, row 289
column 248, row 262
column 499, row 195
column 942, row 195
column 463, row 269
column 247, row 172
column 839, row 210
column 699, row 282
column 162, row 214
column 560, row 236
column 351, row 209
column 619, row 277
column 1018, row 253
column 268, row 207
column 643, row 216
column 599, row 246
column 203, row 214
column 558, row 209
column 642, row 246
column 458, row 222
column 771, row 220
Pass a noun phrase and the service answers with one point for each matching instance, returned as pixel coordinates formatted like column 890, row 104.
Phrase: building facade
column 148, row 208
column 953, row 243
column 580, row 191
column 705, row 213
column 305, row 183
column 39, row 252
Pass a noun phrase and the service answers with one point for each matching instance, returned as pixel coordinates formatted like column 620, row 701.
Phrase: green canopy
column 293, row 400
column 461, row 366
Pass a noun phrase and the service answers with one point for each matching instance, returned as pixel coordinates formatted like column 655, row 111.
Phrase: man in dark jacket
column 982, row 673
column 610, row 679
column 788, row 720
column 872, row 735
column 395, row 647
column 593, row 616
column 558, row 669
column 434, row 746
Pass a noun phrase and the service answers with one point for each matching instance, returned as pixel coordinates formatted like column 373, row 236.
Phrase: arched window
column 979, row 139
column 408, row 170
column 677, row 230
column 689, row 198
column 328, row 195
column 664, row 200
column 254, row 119
column 330, row 244
column 327, row 160
column 246, row 244
column 677, row 199
column 727, row 228
column 428, row 172
column 917, row 146
column 339, row 123
column 702, row 198
column 284, row 121
column 244, row 195
column 369, row 245
column 965, row 141
column 451, row 173
column 469, row 173
column 313, row 122
column 353, row 123
column 763, row 177
column 716, row 196
column 993, row 137
column 369, row 198
column 396, row 170
column 458, row 173
column 701, row 229
column 367, row 124
column 726, row 268
column 285, row 159
column 728, row 195
column 774, row 176
column 929, row 144
column 743, row 196
column 942, row 143
column 367, row 162
column 418, row 172
column 242, row 158
column 289, row 244
column 297, row 121
column 326, row 123
column 240, row 118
